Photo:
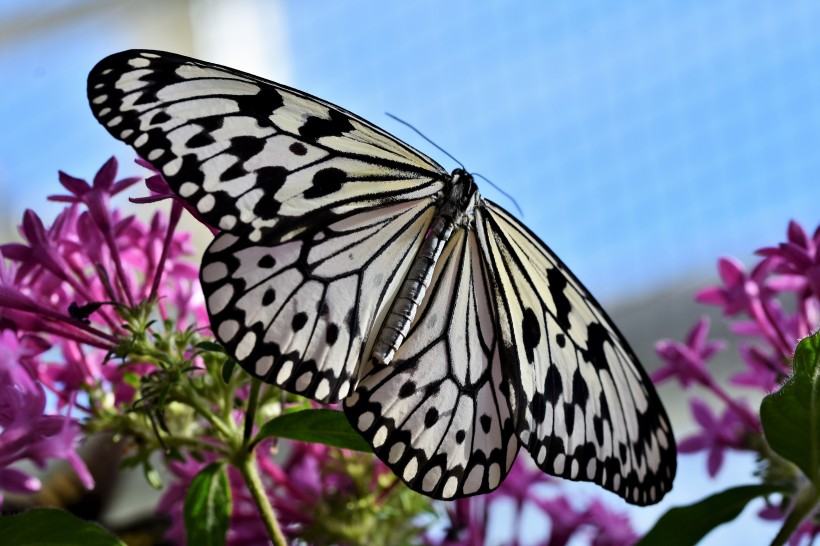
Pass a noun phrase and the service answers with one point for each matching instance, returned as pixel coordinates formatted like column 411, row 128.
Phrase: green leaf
column 227, row 370
column 210, row 346
column 208, row 507
column 322, row 426
column 791, row 416
column 53, row 527
column 687, row 525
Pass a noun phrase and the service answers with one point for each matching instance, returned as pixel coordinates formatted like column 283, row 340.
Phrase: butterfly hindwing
column 249, row 154
column 588, row 410
column 298, row 313
column 442, row 414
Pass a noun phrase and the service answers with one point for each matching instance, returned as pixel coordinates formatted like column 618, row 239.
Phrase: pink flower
column 763, row 369
column 687, row 361
column 565, row 519
column 741, row 292
column 798, row 260
column 716, row 436
column 610, row 528
column 26, row 431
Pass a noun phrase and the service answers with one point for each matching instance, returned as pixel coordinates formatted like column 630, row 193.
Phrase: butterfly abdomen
column 454, row 206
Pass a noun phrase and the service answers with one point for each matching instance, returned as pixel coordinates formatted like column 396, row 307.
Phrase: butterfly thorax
column 455, row 211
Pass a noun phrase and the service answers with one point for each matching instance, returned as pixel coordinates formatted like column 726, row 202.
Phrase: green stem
column 250, row 415
column 247, row 465
column 191, row 399
column 805, row 502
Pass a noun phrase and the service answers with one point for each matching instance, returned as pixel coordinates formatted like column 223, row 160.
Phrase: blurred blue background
column 642, row 139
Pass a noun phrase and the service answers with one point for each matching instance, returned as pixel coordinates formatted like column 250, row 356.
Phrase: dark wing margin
column 588, row 409
column 251, row 155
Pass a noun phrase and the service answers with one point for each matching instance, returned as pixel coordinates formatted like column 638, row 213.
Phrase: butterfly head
column 462, row 188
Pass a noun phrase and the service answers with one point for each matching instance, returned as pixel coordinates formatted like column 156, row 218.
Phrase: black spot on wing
column 245, row 147
column 486, row 421
column 269, row 296
column 580, row 390
column 159, row 118
column 557, row 282
column 326, row 182
column 315, row 128
column 407, row 390
column 261, row 105
column 597, row 337
column 297, row 148
column 569, row 417
column 299, row 321
column 332, row 334
column 199, row 140
column 266, row 262
column 270, row 179
column 598, row 427
column 431, row 418
column 531, row 333
column 553, row 387
column 538, row 408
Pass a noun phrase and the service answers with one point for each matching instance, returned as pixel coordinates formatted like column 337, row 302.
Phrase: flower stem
column 247, row 465
column 250, row 414
column 805, row 502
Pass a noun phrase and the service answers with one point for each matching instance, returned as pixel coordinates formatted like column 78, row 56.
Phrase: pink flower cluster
column 63, row 294
column 772, row 307
column 59, row 292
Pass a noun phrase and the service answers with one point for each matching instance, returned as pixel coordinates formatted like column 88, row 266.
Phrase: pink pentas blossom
column 59, row 289
column 686, row 362
column 717, row 434
column 565, row 519
column 740, row 291
column 765, row 370
column 799, row 259
column 27, row 431
column 95, row 197
column 610, row 528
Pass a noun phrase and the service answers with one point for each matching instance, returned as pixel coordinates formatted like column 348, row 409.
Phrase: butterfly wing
column 253, row 156
column 588, row 410
column 441, row 414
column 321, row 212
column 298, row 313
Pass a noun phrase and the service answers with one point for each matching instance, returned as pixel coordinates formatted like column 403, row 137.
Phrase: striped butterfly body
column 351, row 267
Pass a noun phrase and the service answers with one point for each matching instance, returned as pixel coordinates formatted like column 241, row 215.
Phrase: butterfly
column 351, row 267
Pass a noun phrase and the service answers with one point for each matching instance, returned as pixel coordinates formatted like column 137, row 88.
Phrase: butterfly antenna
column 505, row 194
column 422, row 135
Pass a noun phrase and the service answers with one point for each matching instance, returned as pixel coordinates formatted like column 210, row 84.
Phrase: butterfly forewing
column 441, row 414
column 322, row 218
column 249, row 154
column 589, row 411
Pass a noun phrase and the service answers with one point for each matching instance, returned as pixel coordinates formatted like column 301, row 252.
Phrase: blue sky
column 642, row 139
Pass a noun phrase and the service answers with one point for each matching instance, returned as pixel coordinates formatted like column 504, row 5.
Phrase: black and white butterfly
column 351, row 267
